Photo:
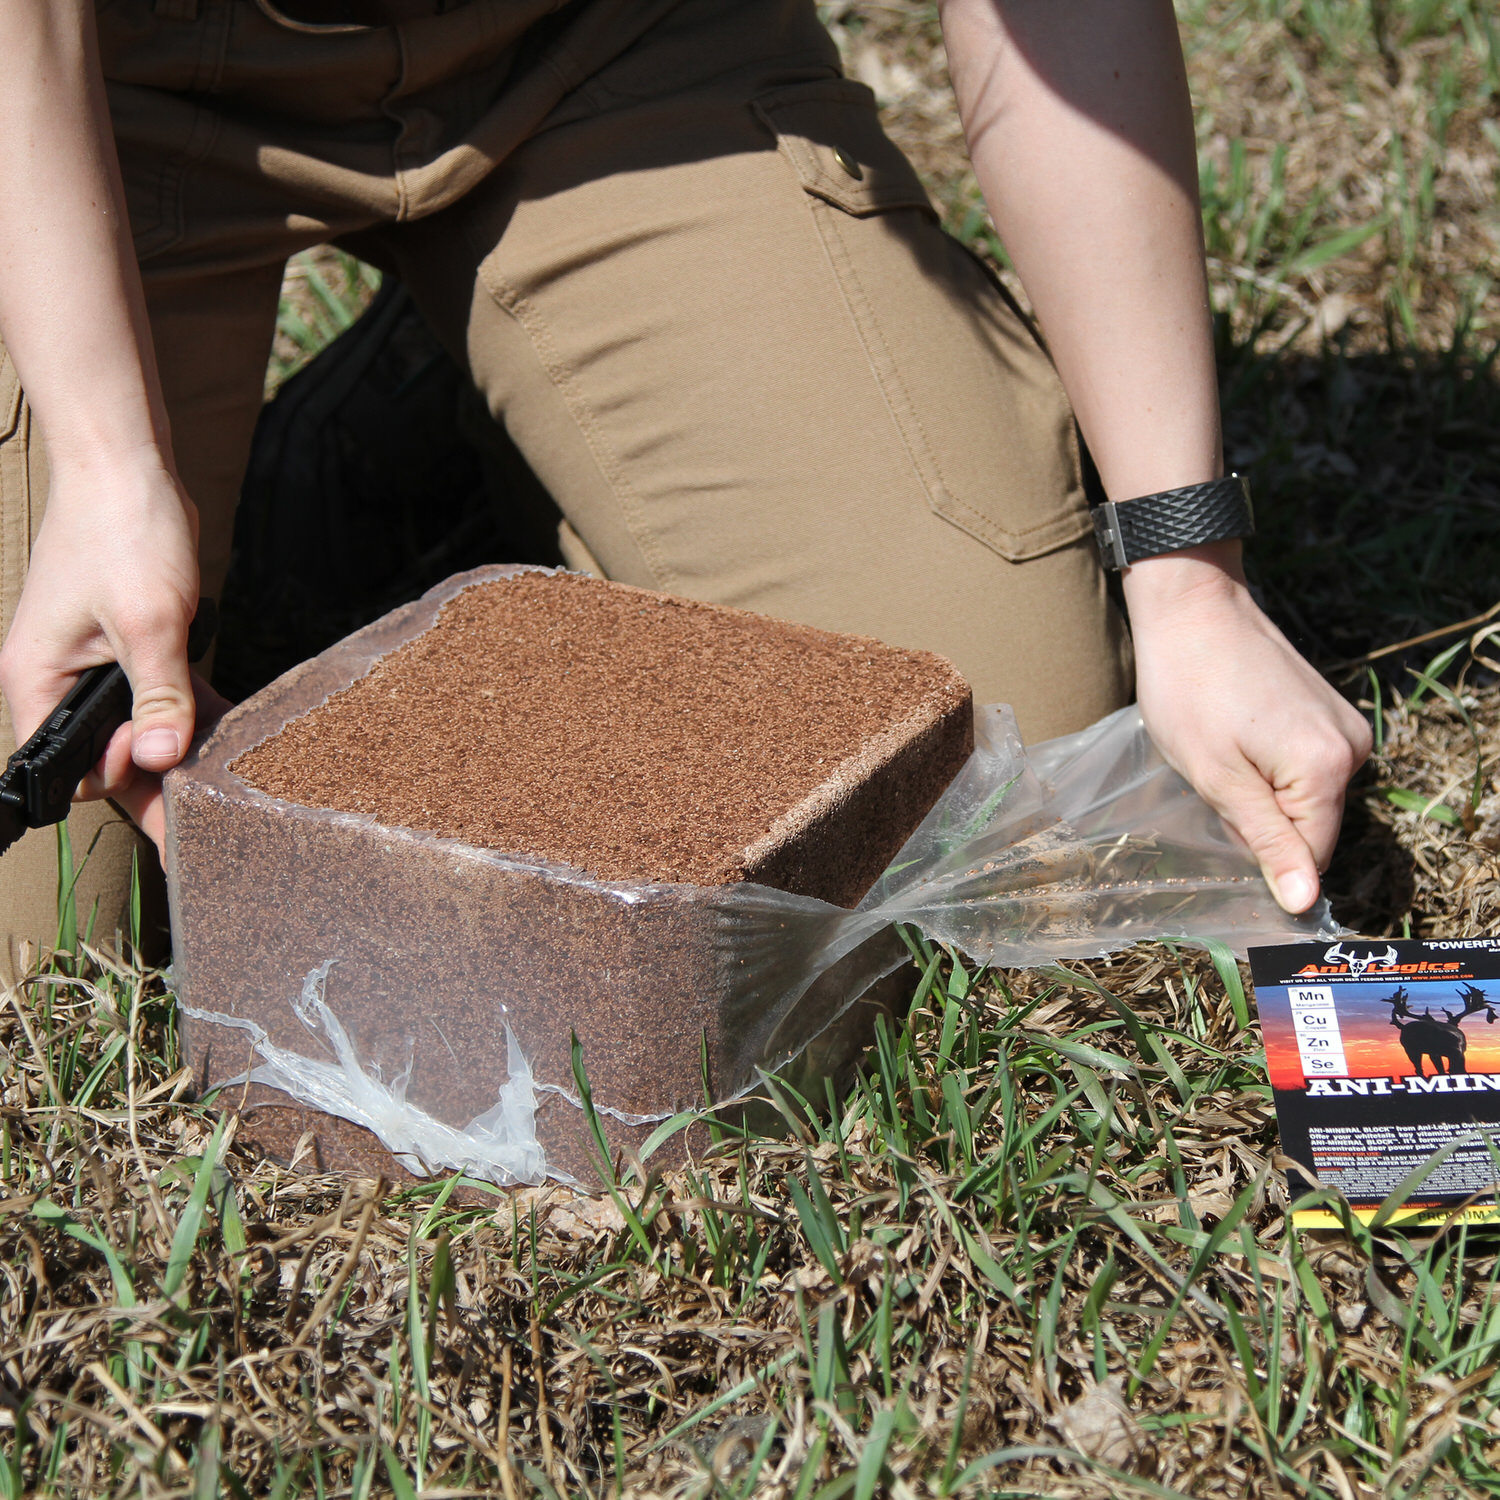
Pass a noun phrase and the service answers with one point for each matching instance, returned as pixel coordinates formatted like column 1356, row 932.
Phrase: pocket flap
column 11, row 397
column 832, row 136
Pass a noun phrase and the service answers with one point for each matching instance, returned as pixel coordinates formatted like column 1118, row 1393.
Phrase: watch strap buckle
column 1107, row 534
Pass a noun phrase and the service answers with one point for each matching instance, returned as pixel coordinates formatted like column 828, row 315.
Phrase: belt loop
column 177, row 10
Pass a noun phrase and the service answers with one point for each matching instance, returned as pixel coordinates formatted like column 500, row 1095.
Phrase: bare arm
column 1080, row 128
column 113, row 575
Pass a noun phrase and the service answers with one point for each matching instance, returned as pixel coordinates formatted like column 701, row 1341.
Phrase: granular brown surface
column 629, row 734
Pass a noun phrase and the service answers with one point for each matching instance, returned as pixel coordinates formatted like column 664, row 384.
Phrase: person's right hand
column 141, row 798
column 113, row 577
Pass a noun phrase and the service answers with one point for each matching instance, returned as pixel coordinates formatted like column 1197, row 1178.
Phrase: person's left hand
column 1233, row 707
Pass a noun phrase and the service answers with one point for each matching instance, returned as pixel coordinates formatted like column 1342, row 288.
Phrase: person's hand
column 113, row 577
column 1233, row 706
column 139, row 795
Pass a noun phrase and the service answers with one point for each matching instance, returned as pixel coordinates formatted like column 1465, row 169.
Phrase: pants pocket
column 15, row 501
column 157, row 64
column 975, row 398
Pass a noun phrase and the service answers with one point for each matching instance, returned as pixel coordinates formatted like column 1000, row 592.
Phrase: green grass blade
column 401, row 1485
column 1227, row 967
column 185, row 1237
column 872, row 1455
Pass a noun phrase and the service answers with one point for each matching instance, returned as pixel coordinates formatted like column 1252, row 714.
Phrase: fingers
column 143, row 804
column 1261, row 736
column 112, row 576
column 114, row 771
column 152, row 650
column 140, row 793
column 1311, row 772
column 211, row 706
column 1250, row 805
column 1314, row 805
column 1290, row 814
column 154, row 656
column 31, row 687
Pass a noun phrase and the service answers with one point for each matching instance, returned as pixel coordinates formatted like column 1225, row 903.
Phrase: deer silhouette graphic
column 1423, row 1036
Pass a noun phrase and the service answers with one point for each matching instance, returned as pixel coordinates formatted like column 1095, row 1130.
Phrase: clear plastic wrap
column 339, row 977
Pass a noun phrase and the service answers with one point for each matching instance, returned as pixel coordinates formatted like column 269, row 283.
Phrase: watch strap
column 1169, row 520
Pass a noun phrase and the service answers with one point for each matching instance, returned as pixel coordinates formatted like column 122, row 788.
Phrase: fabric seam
column 20, row 438
column 201, row 140
column 398, row 171
column 1015, row 545
column 510, row 301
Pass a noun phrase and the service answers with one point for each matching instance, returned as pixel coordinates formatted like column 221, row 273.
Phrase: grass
column 1043, row 1247
column 323, row 292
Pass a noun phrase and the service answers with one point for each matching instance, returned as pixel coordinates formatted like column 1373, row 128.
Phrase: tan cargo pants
column 705, row 294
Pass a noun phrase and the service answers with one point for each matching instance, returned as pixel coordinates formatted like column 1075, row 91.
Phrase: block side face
column 842, row 849
column 277, row 1126
column 435, row 952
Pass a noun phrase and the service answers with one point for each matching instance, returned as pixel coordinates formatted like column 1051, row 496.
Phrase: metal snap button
column 848, row 163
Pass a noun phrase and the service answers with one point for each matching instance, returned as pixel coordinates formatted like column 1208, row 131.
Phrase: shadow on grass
column 1377, row 486
column 1372, row 879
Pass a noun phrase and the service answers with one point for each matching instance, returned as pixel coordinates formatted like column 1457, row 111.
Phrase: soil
column 628, row 734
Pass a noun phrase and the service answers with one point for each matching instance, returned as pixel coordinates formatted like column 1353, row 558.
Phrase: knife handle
column 69, row 742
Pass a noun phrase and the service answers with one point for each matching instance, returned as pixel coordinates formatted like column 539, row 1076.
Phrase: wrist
column 1194, row 578
column 1173, row 521
column 109, row 436
column 111, row 473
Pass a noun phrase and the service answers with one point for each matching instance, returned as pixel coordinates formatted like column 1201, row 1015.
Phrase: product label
column 1385, row 1060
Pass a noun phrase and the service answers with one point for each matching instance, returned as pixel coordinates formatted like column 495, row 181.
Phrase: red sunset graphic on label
column 1422, row 1028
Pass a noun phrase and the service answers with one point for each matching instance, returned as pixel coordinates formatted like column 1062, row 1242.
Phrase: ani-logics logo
column 1341, row 960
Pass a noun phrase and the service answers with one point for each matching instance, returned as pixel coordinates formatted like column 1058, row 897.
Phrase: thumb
column 162, row 714
column 1250, row 807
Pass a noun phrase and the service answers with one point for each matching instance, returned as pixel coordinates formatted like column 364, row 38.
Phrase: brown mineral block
column 535, row 800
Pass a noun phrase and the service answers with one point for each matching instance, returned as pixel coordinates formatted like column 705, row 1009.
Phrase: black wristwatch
column 1169, row 520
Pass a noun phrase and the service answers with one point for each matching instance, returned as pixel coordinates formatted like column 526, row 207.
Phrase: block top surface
column 629, row 734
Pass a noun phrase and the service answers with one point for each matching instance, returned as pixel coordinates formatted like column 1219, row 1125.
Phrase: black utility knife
column 37, row 785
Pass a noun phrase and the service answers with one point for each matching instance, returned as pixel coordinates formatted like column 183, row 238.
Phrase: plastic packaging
column 430, row 992
column 499, row 1145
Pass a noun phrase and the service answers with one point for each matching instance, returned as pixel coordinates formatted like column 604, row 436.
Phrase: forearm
column 72, row 313
column 1080, row 130
column 112, row 574
column 1081, row 133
